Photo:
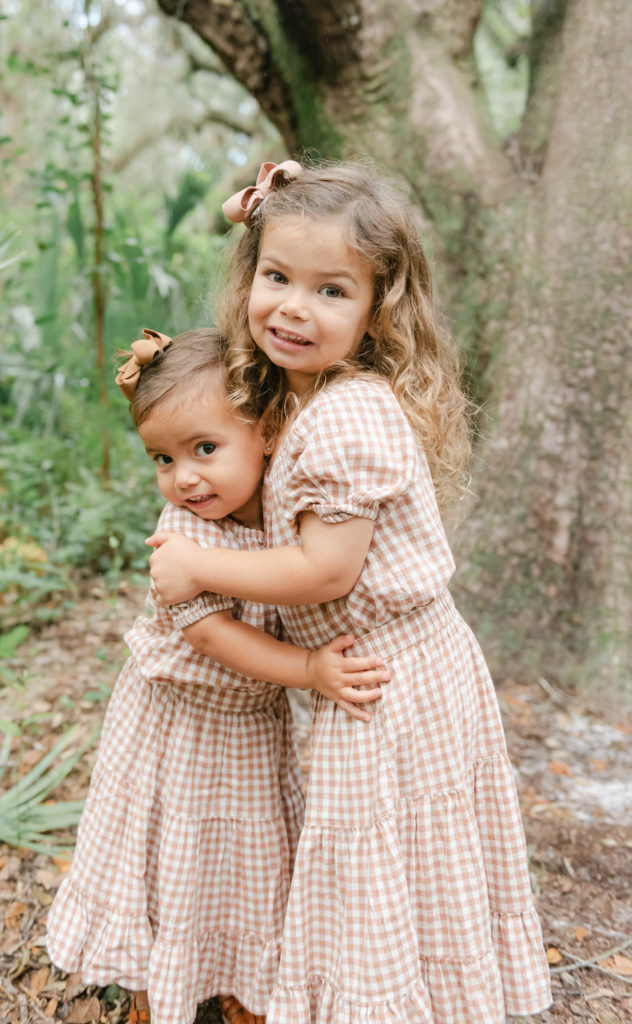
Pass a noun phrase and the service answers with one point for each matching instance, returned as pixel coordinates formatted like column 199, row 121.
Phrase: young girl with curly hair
column 180, row 878
column 410, row 901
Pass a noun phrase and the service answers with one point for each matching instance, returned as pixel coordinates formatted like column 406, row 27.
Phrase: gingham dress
column 410, row 901
column 185, row 849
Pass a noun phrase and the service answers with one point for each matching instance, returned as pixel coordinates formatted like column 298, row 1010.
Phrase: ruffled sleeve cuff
column 189, row 612
column 338, row 512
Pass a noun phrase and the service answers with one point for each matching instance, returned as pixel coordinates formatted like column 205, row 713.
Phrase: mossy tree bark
column 536, row 249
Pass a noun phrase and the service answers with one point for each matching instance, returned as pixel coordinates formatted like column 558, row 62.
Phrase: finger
column 160, row 537
column 353, row 711
column 342, row 642
column 364, row 665
column 373, row 678
column 361, row 696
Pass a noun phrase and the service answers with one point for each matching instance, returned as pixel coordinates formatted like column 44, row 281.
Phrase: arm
column 323, row 567
column 256, row 654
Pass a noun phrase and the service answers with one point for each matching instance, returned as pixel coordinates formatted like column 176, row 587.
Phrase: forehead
column 181, row 412
column 319, row 241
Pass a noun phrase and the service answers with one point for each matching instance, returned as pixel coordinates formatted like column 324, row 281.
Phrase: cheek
column 254, row 302
column 164, row 485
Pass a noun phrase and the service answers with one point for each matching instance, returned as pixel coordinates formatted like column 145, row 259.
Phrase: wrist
column 201, row 570
column 307, row 679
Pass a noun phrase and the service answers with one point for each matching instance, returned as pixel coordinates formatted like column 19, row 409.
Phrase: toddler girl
column 410, row 901
column 179, row 881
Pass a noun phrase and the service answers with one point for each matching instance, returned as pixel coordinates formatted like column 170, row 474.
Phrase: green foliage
column 10, row 641
column 25, row 818
column 76, row 488
column 501, row 51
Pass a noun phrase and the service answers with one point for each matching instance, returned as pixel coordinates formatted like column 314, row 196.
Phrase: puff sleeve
column 352, row 450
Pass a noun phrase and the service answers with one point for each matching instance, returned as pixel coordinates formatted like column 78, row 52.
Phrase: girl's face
column 207, row 459
column 311, row 297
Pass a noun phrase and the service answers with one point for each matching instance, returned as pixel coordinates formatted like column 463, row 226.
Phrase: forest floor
column 573, row 760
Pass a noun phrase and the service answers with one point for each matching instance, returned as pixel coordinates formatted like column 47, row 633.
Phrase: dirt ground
column 572, row 757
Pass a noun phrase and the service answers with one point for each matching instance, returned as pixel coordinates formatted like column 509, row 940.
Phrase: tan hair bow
column 144, row 352
column 240, row 207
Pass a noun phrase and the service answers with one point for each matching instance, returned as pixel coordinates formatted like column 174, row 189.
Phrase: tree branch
column 177, row 125
column 245, row 49
column 112, row 19
column 544, row 47
column 455, row 21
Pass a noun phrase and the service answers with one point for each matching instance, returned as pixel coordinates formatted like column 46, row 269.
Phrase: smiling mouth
column 289, row 337
column 200, row 499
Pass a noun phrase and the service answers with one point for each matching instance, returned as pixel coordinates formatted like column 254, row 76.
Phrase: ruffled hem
column 319, row 1003
column 399, row 911
column 524, row 970
column 109, row 948
column 447, row 991
column 88, row 936
column 181, row 975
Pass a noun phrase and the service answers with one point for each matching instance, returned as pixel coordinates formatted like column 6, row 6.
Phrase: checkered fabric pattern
column 410, row 901
column 185, row 850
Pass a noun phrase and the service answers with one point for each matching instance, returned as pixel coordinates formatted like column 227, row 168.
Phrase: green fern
column 25, row 819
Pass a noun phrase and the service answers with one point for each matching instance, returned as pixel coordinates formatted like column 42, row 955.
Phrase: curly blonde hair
column 407, row 345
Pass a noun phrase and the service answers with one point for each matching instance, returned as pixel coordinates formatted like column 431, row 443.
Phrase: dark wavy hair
column 178, row 369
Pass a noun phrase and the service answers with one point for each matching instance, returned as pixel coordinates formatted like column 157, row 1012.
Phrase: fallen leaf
column 74, row 985
column 49, row 879
column 597, row 763
column 516, row 702
column 61, row 863
column 9, row 941
column 560, row 768
column 601, row 993
column 581, row 933
column 620, row 964
column 553, row 955
column 10, row 867
column 50, row 1007
column 43, row 898
column 84, row 1011
column 13, row 915
column 39, row 980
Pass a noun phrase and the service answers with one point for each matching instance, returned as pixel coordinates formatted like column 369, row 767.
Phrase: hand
column 173, row 567
column 337, row 677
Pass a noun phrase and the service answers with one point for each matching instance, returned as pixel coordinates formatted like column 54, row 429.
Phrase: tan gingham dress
column 410, row 901
column 185, row 850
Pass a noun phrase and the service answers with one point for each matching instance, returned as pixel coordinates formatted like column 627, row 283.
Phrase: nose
column 293, row 304
column 186, row 474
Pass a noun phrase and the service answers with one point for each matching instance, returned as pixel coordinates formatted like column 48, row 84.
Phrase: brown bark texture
column 533, row 245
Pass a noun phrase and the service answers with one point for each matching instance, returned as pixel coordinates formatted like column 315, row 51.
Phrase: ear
column 268, row 435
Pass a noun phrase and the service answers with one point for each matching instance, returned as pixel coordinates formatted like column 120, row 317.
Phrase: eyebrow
column 279, row 261
column 215, row 439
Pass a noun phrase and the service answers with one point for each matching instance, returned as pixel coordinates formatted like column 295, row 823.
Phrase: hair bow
column 144, row 352
column 240, row 207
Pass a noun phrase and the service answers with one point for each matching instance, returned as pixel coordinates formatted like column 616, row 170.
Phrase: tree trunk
column 549, row 542
column 535, row 258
